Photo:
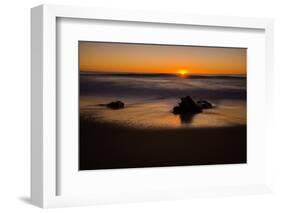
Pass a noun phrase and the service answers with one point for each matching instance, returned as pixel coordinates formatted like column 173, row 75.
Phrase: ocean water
column 150, row 98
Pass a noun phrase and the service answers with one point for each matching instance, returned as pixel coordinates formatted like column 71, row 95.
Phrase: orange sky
column 147, row 58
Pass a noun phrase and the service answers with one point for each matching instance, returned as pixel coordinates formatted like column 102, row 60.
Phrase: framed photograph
column 151, row 105
column 130, row 106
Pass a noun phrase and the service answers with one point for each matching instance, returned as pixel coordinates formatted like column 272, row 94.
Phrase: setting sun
column 183, row 72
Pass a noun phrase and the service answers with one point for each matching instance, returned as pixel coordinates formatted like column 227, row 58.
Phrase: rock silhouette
column 116, row 105
column 188, row 105
column 203, row 104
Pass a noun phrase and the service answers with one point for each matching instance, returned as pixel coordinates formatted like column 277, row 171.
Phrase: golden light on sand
column 183, row 72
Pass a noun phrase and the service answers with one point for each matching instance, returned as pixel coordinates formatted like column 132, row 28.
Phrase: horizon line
column 157, row 73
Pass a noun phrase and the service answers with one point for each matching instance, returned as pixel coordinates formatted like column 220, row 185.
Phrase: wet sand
column 110, row 146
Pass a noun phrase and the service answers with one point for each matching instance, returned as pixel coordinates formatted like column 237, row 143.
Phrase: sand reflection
column 157, row 113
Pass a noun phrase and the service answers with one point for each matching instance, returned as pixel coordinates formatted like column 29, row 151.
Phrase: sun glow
column 183, row 72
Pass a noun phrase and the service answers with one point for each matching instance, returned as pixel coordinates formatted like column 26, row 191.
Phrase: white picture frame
column 44, row 148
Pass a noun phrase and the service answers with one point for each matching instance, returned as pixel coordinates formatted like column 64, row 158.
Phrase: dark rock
column 204, row 104
column 187, row 105
column 116, row 105
column 186, row 118
column 176, row 110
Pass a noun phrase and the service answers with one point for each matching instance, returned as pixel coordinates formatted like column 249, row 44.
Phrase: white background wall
column 15, row 105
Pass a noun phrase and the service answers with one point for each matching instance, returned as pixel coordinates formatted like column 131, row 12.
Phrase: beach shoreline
column 105, row 145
